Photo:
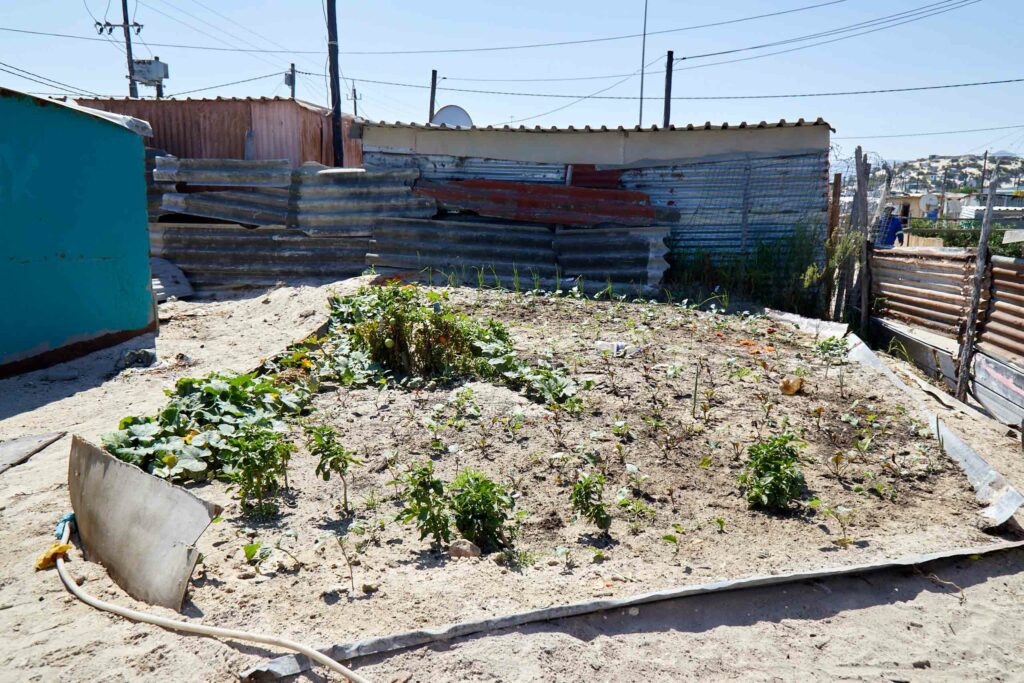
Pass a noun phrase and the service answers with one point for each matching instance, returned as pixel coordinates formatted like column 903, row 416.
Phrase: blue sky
column 975, row 42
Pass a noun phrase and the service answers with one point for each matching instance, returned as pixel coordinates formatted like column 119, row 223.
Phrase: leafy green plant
column 324, row 443
column 481, row 510
column 636, row 510
column 261, row 458
column 193, row 436
column 586, row 499
column 771, row 476
column 426, row 504
column 256, row 553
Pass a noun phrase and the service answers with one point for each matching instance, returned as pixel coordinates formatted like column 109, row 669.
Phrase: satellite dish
column 453, row 116
column 928, row 203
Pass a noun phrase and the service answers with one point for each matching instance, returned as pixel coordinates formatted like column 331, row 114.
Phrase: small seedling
column 563, row 553
column 720, row 523
column 324, row 442
column 843, row 516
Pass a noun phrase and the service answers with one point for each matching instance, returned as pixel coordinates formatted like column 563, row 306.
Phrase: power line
column 451, row 50
column 921, row 12
column 915, row 135
column 584, row 41
column 43, row 80
column 688, row 98
column 224, row 85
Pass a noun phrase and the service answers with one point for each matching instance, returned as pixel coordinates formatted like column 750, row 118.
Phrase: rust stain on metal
column 545, row 203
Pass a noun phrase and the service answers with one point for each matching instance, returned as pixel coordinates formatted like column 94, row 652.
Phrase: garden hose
column 212, row 631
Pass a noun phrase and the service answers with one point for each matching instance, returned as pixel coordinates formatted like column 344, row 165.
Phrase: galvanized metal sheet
column 1003, row 332
column 224, row 255
column 223, row 172
column 628, row 259
column 1000, row 388
column 140, row 527
column 443, row 167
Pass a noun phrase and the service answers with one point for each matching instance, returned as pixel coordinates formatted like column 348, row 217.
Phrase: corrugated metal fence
column 727, row 205
column 1002, row 335
column 925, row 287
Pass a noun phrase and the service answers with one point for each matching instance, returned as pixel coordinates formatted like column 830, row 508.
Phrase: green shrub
column 260, row 460
column 426, row 504
column 586, row 499
column 771, row 477
column 481, row 509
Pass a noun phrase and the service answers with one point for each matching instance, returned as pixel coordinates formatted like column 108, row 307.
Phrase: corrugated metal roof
column 308, row 105
column 600, row 129
column 133, row 124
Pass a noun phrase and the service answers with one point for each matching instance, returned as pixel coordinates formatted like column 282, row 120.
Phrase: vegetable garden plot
column 585, row 448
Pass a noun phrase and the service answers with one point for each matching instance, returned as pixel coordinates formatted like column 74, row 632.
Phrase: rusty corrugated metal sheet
column 924, row 287
column 726, row 205
column 1002, row 335
column 501, row 253
column 545, row 203
column 224, row 255
column 315, row 199
column 217, row 128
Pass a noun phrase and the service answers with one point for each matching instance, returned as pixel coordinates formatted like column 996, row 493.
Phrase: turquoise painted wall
column 74, row 247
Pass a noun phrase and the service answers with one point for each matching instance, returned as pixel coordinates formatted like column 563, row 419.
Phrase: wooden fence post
column 963, row 368
column 830, row 242
column 865, row 292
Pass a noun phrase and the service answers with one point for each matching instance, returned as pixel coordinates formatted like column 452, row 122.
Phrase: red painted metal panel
column 544, row 203
column 587, row 175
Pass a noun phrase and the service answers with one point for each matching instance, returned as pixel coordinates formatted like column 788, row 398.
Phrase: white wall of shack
column 602, row 148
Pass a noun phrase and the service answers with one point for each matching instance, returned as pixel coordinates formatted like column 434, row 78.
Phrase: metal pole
column 668, row 90
column 332, row 53
column 643, row 62
column 355, row 101
column 133, row 90
column 433, row 93
column 293, row 80
column 963, row 368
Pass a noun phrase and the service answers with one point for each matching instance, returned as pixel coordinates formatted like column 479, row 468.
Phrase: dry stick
column 980, row 266
column 696, row 382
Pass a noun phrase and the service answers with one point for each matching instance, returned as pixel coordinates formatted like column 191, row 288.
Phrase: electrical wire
column 687, row 97
column 43, row 80
column 106, row 39
column 914, row 135
column 224, row 85
column 827, row 42
column 925, row 10
column 584, row 41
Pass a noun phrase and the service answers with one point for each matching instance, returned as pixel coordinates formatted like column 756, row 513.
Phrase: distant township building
column 75, row 250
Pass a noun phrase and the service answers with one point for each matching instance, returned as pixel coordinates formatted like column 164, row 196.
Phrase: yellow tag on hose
column 49, row 558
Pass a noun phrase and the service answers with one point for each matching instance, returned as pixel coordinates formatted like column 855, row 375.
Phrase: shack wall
column 216, row 129
column 75, row 254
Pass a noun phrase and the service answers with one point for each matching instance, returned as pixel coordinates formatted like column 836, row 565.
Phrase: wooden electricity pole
column 133, row 89
column 332, row 55
column 963, row 368
column 433, row 93
column 668, row 90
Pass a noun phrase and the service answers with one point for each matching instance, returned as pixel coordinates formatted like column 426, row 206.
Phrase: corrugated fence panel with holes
column 929, row 288
column 217, row 255
column 728, row 206
column 1002, row 335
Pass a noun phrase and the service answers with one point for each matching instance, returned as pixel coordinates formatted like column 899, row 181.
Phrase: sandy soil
column 51, row 635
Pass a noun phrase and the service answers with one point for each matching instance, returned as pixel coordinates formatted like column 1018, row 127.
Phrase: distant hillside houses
column 955, row 173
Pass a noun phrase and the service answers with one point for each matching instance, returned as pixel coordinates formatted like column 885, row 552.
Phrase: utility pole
column 291, row 79
column 332, row 54
column 668, row 90
column 355, row 100
column 643, row 62
column 984, row 170
column 133, row 90
column 433, row 93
